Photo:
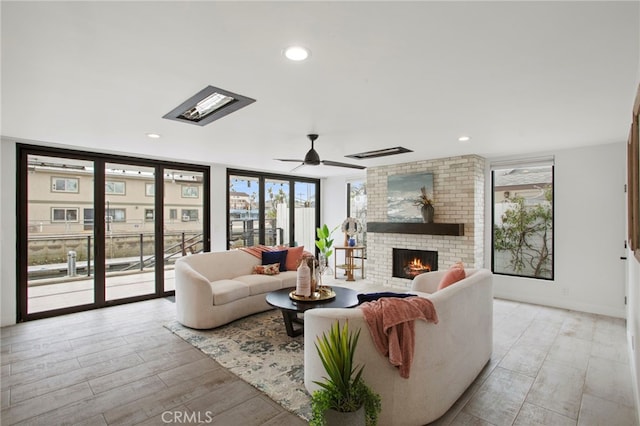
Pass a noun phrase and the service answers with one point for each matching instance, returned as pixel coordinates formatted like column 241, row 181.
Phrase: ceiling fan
column 313, row 159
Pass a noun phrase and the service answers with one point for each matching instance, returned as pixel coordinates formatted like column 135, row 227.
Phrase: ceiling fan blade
column 289, row 159
column 338, row 164
column 296, row 167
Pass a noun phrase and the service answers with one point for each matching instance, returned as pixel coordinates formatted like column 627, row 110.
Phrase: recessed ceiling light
column 296, row 53
column 464, row 139
column 153, row 135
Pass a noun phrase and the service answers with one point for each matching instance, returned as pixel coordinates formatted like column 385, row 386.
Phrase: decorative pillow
column 293, row 257
column 452, row 276
column 370, row 297
column 273, row 269
column 269, row 257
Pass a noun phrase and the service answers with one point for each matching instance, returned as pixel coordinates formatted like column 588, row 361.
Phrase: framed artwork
column 402, row 193
column 190, row 191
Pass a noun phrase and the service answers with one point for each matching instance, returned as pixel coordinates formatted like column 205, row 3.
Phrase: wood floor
column 119, row 365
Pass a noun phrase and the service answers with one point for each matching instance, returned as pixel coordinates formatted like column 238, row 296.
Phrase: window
column 271, row 209
column 149, row 215
column 149, row 190
column 189, row 215
column 173, row 214
column 114, row 187
column 189, row 191
column 60, row 184
column 116, row 215
column 523, row 220
column 357, row 207
column 64, row 215
column 88, row 219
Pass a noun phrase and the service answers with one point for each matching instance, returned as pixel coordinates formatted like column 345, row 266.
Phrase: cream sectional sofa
column 216, row 288
column 448, row 356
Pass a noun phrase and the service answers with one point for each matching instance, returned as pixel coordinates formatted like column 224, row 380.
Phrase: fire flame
column 417, row 264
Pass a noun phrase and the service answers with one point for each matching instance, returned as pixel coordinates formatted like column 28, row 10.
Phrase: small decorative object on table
column 324, row 244
column 317, row 291
column 351, row 227
column 303, row 281
column 315, row 272
column 323, row 293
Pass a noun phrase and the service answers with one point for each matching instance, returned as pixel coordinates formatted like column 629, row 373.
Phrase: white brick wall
column 458, row 197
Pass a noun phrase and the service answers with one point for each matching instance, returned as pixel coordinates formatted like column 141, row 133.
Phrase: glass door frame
column 23, row 151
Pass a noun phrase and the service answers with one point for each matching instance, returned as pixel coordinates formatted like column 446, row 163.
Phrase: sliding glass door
column 183, row 218
column 276, row 212
column 305, row 214
column 129, row 245
column 59, row 233
column 96, row 229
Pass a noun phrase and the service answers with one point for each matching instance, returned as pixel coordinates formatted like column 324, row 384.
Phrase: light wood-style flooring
column 119, row 365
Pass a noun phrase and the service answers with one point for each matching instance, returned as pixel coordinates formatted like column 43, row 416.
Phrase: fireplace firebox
column 410, row 263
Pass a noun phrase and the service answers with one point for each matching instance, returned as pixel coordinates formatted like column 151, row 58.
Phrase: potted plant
column 325, row 245
column 343, row 392
column 426, row 205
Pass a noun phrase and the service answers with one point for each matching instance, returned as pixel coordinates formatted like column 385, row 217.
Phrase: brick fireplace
column 458, row 194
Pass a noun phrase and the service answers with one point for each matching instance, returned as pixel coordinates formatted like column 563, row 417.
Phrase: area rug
column 258, row 350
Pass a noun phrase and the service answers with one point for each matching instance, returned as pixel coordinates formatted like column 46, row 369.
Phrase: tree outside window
column 523, row 221
column 357, row 207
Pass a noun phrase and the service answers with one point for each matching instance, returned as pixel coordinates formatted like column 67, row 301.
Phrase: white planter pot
column 337, row 418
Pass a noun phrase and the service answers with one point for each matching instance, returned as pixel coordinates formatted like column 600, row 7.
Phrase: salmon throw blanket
column 391, row 323
column 258, row 250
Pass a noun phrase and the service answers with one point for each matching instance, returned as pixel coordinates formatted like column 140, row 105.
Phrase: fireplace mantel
column 456, row 229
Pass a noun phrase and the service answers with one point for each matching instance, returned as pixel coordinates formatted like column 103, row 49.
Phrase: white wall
column 334, row 205
column 8, row 308
column 589, row 209
column 633, row 321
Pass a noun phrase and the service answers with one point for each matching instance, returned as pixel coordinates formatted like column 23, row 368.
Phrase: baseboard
column 634, row 375
column 565, row 304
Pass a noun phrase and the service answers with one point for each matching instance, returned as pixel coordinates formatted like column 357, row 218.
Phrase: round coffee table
column 345, row 298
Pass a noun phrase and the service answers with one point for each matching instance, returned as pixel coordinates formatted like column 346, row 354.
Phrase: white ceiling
column 517, row 77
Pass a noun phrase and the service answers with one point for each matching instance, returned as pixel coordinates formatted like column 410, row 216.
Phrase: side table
column 349, row 265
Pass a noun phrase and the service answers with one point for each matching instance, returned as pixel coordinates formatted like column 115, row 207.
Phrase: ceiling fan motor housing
column 312, row 158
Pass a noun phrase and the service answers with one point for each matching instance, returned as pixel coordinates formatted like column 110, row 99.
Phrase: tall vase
column 427, row 213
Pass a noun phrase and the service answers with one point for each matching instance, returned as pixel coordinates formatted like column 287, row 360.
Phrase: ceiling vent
column 379, row 153
column 209, row 104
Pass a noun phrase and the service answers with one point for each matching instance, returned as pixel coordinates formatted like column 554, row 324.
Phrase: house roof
column 522, row 177
column 518, row 77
